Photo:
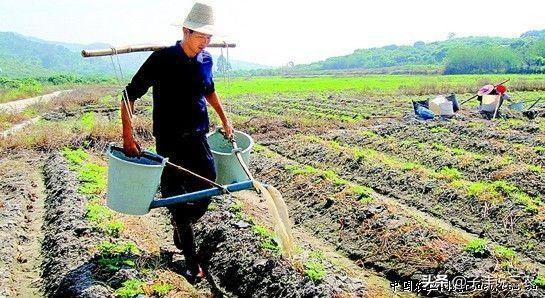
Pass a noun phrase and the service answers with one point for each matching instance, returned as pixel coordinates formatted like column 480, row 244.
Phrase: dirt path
column 22, row 213
column 17, row 127
column 19, row 105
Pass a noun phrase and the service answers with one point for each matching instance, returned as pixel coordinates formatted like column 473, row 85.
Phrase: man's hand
column 131, row 147
column 228, row 129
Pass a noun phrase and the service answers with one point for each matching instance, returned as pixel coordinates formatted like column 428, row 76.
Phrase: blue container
column 133, row 181
column 228, row 167
column 424, row 113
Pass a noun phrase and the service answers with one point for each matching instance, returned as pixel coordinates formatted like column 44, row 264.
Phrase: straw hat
column 200, row 18
column 486, row 89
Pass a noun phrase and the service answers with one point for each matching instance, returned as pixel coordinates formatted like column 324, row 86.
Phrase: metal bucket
column 133, row 181
column 228, row 168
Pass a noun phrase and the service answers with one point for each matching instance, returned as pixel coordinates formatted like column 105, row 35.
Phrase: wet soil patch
column 237, row 264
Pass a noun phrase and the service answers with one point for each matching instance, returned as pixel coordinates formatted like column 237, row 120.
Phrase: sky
column 274, row 32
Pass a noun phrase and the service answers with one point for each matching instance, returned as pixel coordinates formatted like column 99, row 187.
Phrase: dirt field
column 382, row 205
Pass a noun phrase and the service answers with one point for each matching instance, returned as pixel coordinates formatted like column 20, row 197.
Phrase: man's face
column 196, row 41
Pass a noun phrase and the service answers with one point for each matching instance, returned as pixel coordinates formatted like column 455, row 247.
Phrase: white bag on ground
column 441, row 106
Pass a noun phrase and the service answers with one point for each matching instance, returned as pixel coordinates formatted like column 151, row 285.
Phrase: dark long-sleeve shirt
column 179, row 86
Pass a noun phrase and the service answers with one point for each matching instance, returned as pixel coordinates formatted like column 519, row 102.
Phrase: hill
column 525, row 54
column 22, row 56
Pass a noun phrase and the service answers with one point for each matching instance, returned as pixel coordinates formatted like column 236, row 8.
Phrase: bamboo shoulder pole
column 142, row 48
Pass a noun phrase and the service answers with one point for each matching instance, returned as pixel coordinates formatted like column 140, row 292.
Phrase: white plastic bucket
column 490, row 102
column 133, row 181
column 228, row 167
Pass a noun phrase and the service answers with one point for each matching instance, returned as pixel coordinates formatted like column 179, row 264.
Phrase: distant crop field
column 377, row 84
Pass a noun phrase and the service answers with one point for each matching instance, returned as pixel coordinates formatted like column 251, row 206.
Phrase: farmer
column 181, row 76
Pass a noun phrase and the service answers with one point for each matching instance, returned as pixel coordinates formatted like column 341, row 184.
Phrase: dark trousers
column 192, row 153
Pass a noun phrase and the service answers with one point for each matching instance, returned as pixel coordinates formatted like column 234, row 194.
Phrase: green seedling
column 113, row 256
column 334, row 177
column 236, row 207
column 104, row 218
column 314, row 267
column 305, row 170
column 539, row 281
column 267, row 238
column 477, row 247
column 75, row 157
column 212, row 207
column 535, row 168
column 531, row 205
column 162, row 289
column 439, row 130
column 97, row 212
column 363, row 192
column 408, row 166
column 450, row 174
column 93, row 178
column 439, row 147
column 87, row 121
column 130, row 288
column 507, row 255
column 114, row 228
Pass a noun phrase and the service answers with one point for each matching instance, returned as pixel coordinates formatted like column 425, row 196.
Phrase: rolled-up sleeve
column 143, row 79
column 207, row 64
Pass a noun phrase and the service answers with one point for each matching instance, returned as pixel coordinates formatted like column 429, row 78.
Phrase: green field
column 376, row 84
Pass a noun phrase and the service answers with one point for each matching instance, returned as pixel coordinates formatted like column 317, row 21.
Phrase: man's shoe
column 194, row 277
